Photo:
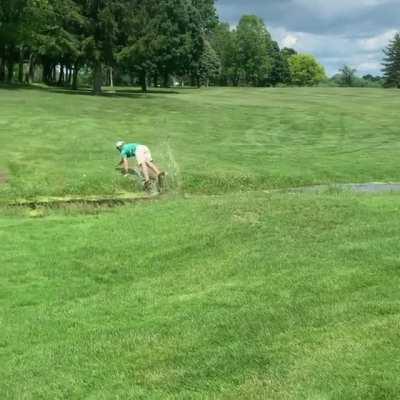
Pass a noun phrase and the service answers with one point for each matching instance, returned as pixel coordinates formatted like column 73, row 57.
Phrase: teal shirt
column 129, row 150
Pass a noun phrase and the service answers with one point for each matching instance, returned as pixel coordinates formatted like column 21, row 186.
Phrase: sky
column 336, row 32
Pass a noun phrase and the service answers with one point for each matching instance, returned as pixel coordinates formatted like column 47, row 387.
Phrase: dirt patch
column 3, row 177
column 93, row 201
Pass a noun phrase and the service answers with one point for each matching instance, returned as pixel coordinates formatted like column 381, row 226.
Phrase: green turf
column 205, row 293
column 210, row 140
column 249, row 296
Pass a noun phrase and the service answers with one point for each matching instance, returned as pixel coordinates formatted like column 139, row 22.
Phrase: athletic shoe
column 161, row 179
column 147, row 186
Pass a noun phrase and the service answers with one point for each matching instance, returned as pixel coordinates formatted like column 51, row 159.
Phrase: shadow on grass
column 86, row 91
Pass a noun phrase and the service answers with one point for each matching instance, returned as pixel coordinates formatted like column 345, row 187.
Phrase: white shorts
column 143, row 155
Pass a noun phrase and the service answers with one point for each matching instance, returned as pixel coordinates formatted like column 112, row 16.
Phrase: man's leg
column 160, row 174
column 145, row 171
column 153, row 167
column 141, row 160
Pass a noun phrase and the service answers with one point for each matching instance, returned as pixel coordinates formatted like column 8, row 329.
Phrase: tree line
column 391, row 71
column 150, row 39
column 145, row 42
column 248, row 55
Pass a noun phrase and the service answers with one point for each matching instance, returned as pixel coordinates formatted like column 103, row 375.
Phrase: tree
column 305, row 70
column 54, row 38
column 391, row 63
column 223, row 41
column 280, row 72
column 141, row 40
column 101, row 33
column 203, row 19
column 207, row 15
column 165, row 38
column 12, row 17
column 374, row 81
column 253, row 42
column 210, row 64
column 287, row 52
column 347, row 76
column 158, row 39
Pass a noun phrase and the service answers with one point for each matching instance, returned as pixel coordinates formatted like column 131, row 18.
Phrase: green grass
column 226, row 292
column 216, row 140
column 235, row 297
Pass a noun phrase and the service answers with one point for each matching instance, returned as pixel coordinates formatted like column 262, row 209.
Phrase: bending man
column 143, row 158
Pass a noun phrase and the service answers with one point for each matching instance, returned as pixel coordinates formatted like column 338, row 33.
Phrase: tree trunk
column 143, row 81
column 21, row 72
column 61, row 76
column 192, row 80
column 31, row 71
column 21, row 66
column 166, row 80
column 67, row 75
column 2, row 69
column 111, row 78
column 97, row 78
column 47, row 73
column 156, row 79
column 116, row 76
column 75, row 77
column 53, row 74
column 10, row 71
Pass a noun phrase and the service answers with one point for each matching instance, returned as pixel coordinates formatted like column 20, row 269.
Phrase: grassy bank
column 217, row 140
column 233, row 297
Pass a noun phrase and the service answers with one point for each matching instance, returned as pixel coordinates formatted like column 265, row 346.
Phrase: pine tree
column 210, row 65
column 391, row 63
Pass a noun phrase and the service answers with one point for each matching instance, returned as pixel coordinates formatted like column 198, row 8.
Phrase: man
column 143, row 158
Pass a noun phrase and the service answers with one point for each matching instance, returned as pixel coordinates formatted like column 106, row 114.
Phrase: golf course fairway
column 228, row 286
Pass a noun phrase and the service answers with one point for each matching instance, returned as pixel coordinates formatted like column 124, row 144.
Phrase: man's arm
column 126, row 165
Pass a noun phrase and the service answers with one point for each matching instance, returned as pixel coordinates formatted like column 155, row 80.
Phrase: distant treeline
column 346, row 77
column 145, row 42
column 142, row 42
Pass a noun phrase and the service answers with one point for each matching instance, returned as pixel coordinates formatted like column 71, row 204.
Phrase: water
column 373, row 187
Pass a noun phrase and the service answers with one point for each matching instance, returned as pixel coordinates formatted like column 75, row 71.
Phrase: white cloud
column 335, row 9
column 336, row 32
column 289, row 41
column 367, row 67
column 377, row 42
column 334, row 51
